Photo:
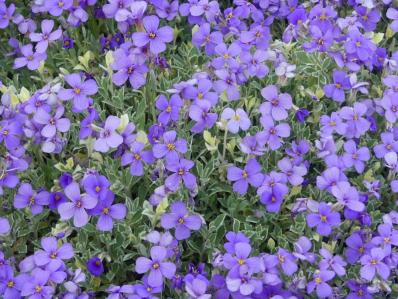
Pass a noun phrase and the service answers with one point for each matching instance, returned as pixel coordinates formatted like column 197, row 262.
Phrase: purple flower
column 196, row 286
column 356, row 124
column 53, row 255
column 294, row 173
column 4, row 226
column 76, row 208
column 387, row 236
column 240, row 262
column 52, row 123
column 204, row 38
column 236, row 120
column 358, row 290
column 243, row 284
column 272, row 200
column 170, row 109
column 129, row 67
column 95, row 266
column 234, row 238
column 302, row 114
column 336, row 90
column 27, row 197
column 226, row 56
column 329, row 178
column 44, row 38
column 355, row 157
column 302, row 250
column 272, row 133
column 36, row 287
column 145, row 290
column 181, row 221
column 286, row 261
column 335, row 263
column 200, row 113
column 55, row 199
column 203, row 93
column 227, row 83
column 348, row 196
column 251, row 174
column 180, row 169
column 389, row 144
column 156, row 266
column 79, row 92
column 392, row 13
column 57, row 7
column 356, row 247
column 390, row 104
column 319, row 283
column 96, row 186
column 10, row 132
column 6, row 14
column 324, row 219
column 10, row 286
column 29, row 59
column 155, row 36
column 255, row 63
column 360, row 45
column 68, row 43
column 170, row 147
column 276, row 104
column 136, row 157
column 117, row 9
column 373, row 263
column 107, row 212
column 332, row 123
column 108, row 137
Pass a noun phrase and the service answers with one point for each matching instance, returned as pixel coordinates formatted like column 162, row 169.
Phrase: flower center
column 358, row 44
column 6, row 132
column 275, row 102
column 171, row 146
column 374, row 262
column 10, row 284
column 338, row 85
column 389, row 146
column 98, row 263
column 245, row 174
column 387, row 240
column 57, row 197
column 97, row 189
column 360, row 293
column 38, row 289
column 236, row 117
column 30, row 58
column 152, row 35
column 61, row 4
column 53, row 255
column 156, row 266
column 180, row 220
column 130, row 70
column 273, row 199
column 105, row 211
column 241, row 261
column 137, row 157
column 78, row 204
column 32, row 201
column 200, row 95
column 324, row 218
column 318, row 280
column 168, row 109
column 361, row 249
column 149, row 289
column 181, row 171
column 226, row 56
column 323, row 17
column 281, row 258
column 394, row 108
column 77, row 90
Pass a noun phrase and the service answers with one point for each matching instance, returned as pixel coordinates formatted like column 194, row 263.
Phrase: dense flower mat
column 198, row 149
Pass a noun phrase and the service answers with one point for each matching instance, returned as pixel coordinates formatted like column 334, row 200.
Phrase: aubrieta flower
column 170, row 147
column 240, row 262
column 129, row 67
column 276, row 104
column 77, row 208
column 170, row 110
column 392, row 13
column 29, row 58
column 373, row 264
column 108, row 136
column 334, row 263
column 203, row 92
column 324, row 220
column 358, row 290
column 389, row 144
column 320, row 285
column 196, row 287
column 181, row 221
column 156, row 266
column 11, row 286
column 294, row 173
column 355, row 157
column 234, row 238
column 52, row 123
column 341, row 82
column 96, row 185
column 57, row 7
column 203, row 37
column 387, row 237
column 154, row 36
column 4, row 226
column 236, row 119
column 357, row 125
column 135, row 158
column 52, row 256
column 390, row 104
column 348, row 196
column 43, row 39
column 180, row 173
column 302, row 250
column 80, row 91
column 271, row 135
column 251, row 174
column 6, row 14
column 27, row 197
column 201, row 114
column 37, row 287
column 95, row 266
column 108, row 211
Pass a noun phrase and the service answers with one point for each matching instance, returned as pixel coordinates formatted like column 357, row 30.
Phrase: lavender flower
column 324, row 220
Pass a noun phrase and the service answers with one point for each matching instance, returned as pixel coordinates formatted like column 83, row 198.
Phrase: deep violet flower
column 95, row 266
column 155, row 36
column 179, row 219
column 157, row 266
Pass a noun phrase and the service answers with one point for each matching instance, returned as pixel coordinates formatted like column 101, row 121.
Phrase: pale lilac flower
column 236, row 119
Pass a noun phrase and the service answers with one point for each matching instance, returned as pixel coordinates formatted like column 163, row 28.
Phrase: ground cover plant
column 198, row 149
